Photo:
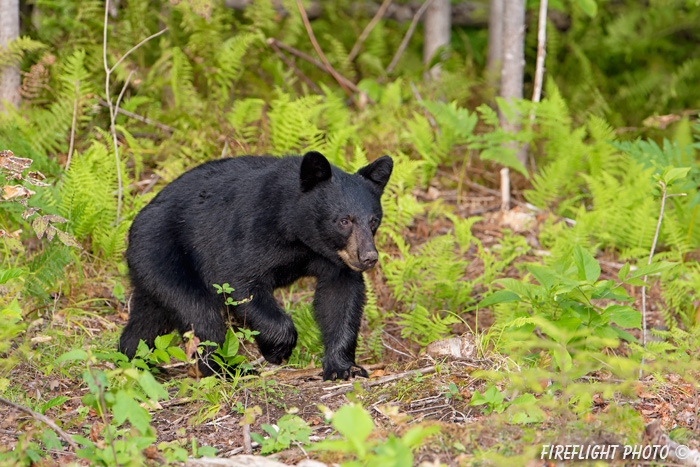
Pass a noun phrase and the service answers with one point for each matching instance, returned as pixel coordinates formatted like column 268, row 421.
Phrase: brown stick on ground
column 43, row 419
column 382, row 380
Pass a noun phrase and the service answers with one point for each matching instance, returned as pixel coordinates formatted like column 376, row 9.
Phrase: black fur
column 257, row 223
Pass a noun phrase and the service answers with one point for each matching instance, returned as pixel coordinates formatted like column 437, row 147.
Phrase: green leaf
column 623, row 272
column 544, row 275
column 505, row 157
column 126, row 407
column 13, row 311
column 53, row 403
column 563, row 359
column 675, row 173
column 415, row 436
column 177, row 353
column 501, row 296
column 231, row 344
column 12, row 273
column 153, row 389
column 652, row 269
column 624, row 316
column 588, row 267
column 161, row 342
column 353, row 422
column 590, row 7
column 77, row 354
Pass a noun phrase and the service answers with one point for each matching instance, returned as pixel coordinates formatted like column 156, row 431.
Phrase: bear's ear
column 315, row 169
column 378, row 171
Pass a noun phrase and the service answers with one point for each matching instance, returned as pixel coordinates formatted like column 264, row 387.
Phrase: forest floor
column 407, row 388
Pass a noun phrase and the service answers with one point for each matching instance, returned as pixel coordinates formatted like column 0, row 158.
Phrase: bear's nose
column 369, row 258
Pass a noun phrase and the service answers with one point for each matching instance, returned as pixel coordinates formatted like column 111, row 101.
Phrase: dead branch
column 383, row 380
column 319, row 51
column 294, row 68
column 45, row 420
column 313, row 61
column 365, row 32
column 140, row 118
column 407, row 37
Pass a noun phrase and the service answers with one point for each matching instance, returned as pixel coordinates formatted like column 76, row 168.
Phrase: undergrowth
column 565, row 329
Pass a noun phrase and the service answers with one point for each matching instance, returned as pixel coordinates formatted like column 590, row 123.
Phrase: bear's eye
column 344, row 222
column 373, row 223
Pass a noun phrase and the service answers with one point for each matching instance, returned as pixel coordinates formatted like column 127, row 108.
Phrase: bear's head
column 340, row 212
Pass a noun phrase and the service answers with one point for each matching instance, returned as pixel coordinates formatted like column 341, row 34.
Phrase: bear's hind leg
column 203, row 318
column 148, row 319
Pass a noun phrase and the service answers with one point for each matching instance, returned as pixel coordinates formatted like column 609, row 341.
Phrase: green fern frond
column 11, row 54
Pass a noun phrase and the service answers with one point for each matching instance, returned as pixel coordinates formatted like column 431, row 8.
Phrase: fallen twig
column 385, row 379
column 45, row 420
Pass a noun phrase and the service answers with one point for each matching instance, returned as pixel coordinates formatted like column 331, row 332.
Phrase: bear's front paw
column 343, row 371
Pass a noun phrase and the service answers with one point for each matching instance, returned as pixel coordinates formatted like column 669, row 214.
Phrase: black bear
column 257, row 223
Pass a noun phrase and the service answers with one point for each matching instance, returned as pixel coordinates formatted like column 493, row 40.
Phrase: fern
column 11, row 54
column 47, row 269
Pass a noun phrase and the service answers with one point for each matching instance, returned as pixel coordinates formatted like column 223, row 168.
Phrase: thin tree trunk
column 495, row 48
column 9, row 31
column 512, row 71
column 436, row 33
column 513, row 64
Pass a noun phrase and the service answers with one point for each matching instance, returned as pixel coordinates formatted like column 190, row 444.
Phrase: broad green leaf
column 413, row 437
column 624, row 316
column 675, row 173
column 13, row 311
column 544, row 275
column 622, row 334
column 161, row 342
column 588, row 267
column 77, row 354
column 623, row 272
column 177, row 353
column 153, row 389
column 126, row 407
column 12, row 273
column 590, row 7
column 501, row 296
column 563, row 359
column 67, row 239
column 53, row 403
column 652, row 269
column 353, row 422
column 231, row 344
column 520, row 288
column 504, row 156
